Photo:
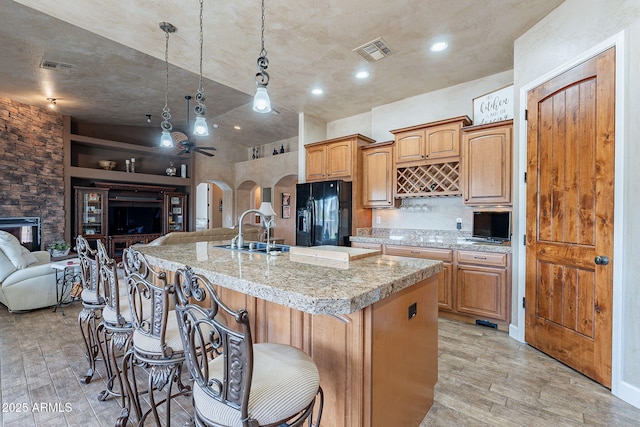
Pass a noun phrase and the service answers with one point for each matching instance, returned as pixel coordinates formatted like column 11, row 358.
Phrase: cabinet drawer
column 419, row 252
column 363, row 245
column 484, row 258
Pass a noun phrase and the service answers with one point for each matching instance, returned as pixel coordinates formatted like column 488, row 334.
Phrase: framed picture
column 494, row 106
column 175, row 200
column 286, row 211
column 93, row 197
column 90, row 231
column 176, row 210
column 286, row 199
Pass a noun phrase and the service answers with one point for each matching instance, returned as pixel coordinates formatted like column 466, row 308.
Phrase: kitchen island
column 369, row 324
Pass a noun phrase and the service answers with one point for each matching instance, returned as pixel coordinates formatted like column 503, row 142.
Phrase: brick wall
column 31, row 153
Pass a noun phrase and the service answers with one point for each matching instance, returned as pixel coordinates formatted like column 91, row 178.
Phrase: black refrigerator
column 323, row 213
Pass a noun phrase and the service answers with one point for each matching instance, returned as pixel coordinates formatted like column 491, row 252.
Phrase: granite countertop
column 428, row 239
column 314, row 286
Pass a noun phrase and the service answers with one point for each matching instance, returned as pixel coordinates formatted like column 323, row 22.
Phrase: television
column 492, row 226
column 135, row 220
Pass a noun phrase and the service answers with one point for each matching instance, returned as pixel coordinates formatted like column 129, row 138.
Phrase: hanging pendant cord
column 201, row 43
column 263, row 52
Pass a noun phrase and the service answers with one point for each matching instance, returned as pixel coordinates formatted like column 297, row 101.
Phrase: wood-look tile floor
column 485, row 378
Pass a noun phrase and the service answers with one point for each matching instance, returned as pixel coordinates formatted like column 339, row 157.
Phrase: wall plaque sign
column 494, row 106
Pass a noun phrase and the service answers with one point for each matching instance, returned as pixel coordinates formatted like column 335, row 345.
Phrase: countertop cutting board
column 338, row 253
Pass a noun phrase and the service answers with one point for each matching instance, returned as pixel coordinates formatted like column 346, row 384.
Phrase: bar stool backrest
column 109, row 283
column 89, row 270
column 149, row 298
column 210, row 329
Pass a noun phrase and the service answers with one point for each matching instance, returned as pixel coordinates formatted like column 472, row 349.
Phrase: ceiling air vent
column 56, row 66
column 374, row 50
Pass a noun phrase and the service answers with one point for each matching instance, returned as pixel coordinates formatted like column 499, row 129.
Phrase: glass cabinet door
column 175, row 212
column 91, row 212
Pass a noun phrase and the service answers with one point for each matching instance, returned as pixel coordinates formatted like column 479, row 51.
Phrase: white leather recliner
column 27, row 280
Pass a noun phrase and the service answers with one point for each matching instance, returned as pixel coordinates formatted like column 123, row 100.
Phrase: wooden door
column 487, row 164
column 340, row 159
column 377, row 173
column 315, row 162
column 410, row 146
column 443, row 141
column 570, row 191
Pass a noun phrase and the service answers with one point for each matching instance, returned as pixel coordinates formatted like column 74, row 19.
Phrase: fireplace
column 26, row 229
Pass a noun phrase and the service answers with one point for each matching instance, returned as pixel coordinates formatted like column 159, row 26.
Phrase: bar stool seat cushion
column 285, row 380
column 89, row 296
column 149, row 344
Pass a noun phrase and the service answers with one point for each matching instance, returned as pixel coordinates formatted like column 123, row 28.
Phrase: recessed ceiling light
column 236, row 127
column 317, row 91
column 362, row 74
column 437, row 47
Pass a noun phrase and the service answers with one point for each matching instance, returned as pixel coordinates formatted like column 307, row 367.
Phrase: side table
column 68, row 282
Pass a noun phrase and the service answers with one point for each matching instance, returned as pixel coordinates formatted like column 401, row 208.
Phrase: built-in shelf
column 119, row 176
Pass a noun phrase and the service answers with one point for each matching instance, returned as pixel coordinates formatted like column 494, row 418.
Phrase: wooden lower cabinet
column 474, row 285
column 482, row 284
column 116, row 244
column 378, row 366
column 445, row 285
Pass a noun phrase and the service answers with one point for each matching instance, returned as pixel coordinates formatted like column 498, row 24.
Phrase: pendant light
column 261, row 101
column 200, row 127
column 165, row 139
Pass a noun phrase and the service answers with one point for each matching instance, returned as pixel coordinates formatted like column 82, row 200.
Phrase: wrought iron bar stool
column 156, row 346
column 92, row 304
column 236, row 382
column 115, row 329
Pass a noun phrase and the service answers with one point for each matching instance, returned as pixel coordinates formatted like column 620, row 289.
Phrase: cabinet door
column 339, row 160
column 175, row 212
column 482, row 291
column 316, row 157
column 445, row 287
column 442, row 141
column 377, row 178
column 410, row 146
column 445, row 280
column 487, row 166
column 91, row 212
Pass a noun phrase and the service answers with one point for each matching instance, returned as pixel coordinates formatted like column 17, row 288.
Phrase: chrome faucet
column 240, row 238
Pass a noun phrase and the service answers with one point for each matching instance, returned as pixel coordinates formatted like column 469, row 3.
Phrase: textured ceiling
column 117, row 50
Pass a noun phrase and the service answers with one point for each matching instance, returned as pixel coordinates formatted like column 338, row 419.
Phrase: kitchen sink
column 257, row 247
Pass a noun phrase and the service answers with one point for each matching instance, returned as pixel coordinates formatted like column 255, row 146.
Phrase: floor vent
column 486, row 323
column 374, row 50
column 56, row 66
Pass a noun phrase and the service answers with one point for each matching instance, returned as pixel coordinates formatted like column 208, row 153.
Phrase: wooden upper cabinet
column 486, row 164
column 340, row 159
column 334, row 159
column 429, row 143
column 316, row 159
column 377, row 175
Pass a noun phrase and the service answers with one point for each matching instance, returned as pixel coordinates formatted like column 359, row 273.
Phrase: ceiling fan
column 183, row 144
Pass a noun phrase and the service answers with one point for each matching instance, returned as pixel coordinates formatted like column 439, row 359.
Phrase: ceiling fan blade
column 207, row 148
column 197, row 149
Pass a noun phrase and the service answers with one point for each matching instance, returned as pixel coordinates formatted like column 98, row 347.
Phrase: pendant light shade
column 261, row 101
column 200, row 127
column 165, row 139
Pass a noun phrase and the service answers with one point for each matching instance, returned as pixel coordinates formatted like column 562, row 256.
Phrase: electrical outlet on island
column 459, row 223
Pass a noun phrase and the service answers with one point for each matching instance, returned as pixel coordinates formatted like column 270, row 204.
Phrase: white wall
column 570, row 30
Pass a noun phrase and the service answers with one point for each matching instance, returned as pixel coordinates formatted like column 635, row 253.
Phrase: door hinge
column 524, row 303
column 525, row 177
column 526, row 115
column 524, row 240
